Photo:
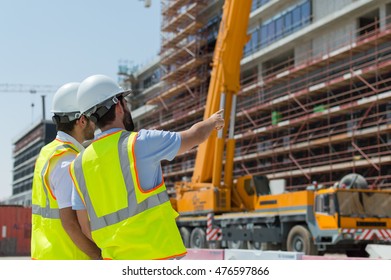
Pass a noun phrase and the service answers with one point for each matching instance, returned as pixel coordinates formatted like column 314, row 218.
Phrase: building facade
column 25, row 153
column 315, row 97
column 314, row 103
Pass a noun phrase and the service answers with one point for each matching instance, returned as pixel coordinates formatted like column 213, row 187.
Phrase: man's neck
column 77, row 137
column 112, row 125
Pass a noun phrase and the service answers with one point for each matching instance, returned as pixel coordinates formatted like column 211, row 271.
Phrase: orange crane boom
column 224, row 85
column 205, row 192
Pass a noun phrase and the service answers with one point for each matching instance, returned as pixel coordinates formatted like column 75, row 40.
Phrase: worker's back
column 126, row 222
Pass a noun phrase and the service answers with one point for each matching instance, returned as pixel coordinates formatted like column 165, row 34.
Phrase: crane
column 32, row 89
column 206, row 187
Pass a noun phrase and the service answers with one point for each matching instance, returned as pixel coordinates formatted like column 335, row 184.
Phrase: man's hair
column 66, row 127
column 109, row 116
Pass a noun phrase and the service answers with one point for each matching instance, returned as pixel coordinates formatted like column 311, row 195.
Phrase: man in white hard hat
column 119, row 177
column 56, row 233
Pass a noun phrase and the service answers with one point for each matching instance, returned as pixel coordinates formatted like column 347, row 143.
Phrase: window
column 325, row 203
column 280, row 26
column 263, row 39
column 288, row 22
column 255, row 38
column 270, row 32
column 247, row 48
column 253, row 44
column 306, row 12
column 296, row 13
column 254, row 5
column 319, row 203
column 258, row 3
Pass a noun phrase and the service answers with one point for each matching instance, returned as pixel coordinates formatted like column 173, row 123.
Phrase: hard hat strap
column 65, row 117
column 97, row 112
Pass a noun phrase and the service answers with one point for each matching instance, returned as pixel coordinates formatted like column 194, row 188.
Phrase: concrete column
column 383, row 15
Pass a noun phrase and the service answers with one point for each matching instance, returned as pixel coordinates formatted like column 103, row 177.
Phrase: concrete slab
column 232, row 254
column 379, row 251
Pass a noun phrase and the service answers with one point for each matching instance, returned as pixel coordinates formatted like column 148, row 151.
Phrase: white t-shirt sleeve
column 153, row 146
column 61, row 181
column 157, row 145
column 77, row 203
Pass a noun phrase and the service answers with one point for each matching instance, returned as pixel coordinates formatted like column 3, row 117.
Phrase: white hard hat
column 97, row 91
column 64, row 104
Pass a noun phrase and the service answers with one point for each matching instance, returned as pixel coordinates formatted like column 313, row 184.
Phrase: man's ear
column 118, row 108
column 83, row 120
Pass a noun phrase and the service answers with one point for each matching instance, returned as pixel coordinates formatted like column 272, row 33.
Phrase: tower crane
column 32, row 89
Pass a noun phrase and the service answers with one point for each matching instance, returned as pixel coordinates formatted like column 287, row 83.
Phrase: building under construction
column 26, row 150
column 315, row 99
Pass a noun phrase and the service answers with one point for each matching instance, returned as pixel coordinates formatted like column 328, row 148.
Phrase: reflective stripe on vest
column 133, row 207
column 47, row 212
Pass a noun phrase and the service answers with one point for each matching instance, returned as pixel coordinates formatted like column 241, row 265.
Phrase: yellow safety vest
column 127, row 223
column 49, row 240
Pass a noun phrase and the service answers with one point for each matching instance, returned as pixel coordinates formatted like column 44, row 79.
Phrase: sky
column 53, row 42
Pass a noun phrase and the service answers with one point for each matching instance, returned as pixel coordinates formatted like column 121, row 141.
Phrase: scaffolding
column 322, row 118
column 186, row 54
column 313, row 118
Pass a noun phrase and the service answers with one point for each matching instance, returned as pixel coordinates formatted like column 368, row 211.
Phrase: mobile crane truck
column 246, row 212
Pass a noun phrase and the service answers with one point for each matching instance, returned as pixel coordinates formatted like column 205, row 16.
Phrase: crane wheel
column 198, row 238
column 185, row 234
column 300, row 240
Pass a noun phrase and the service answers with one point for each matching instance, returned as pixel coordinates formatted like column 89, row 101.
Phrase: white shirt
column 60, row 181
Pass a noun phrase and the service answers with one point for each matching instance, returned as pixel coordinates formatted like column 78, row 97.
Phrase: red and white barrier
column 212, row 233
column 204, row 254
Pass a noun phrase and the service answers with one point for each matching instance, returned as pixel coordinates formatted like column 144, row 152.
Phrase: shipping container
column 15, row 230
